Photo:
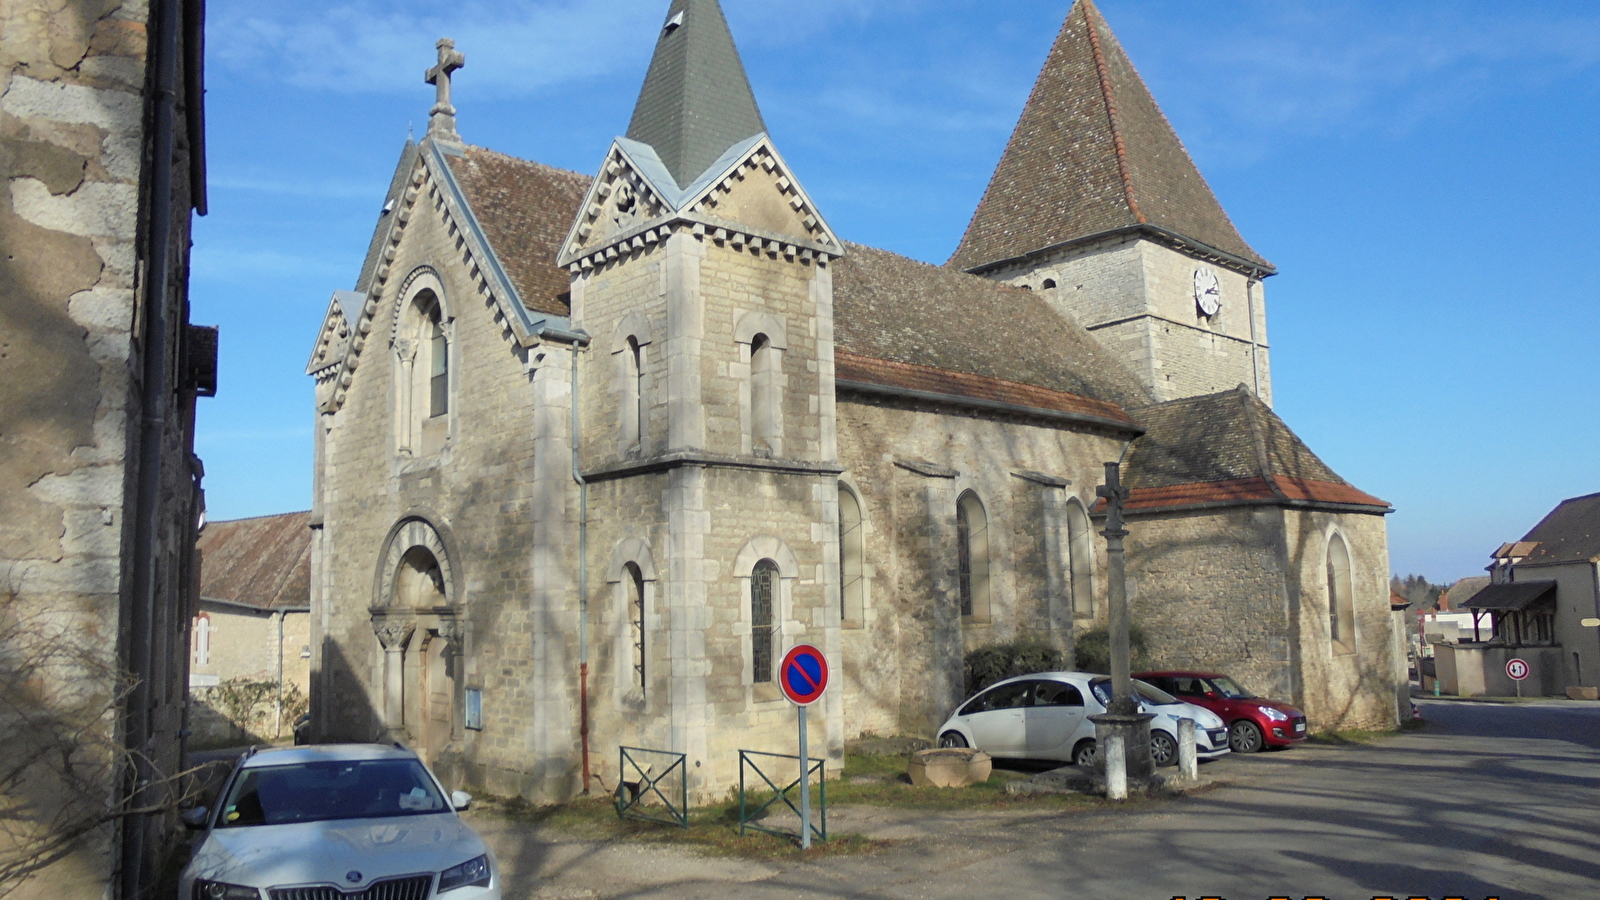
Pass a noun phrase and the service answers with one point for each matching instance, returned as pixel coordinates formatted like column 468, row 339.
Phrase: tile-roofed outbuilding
column 906, row 322
column 524, row 210
column 263, row 562
column 1094, row 154
column 696, row 101
column 1229, row 447
column 1569, row 534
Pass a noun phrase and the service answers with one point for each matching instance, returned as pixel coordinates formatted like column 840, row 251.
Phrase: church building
column 594, row 450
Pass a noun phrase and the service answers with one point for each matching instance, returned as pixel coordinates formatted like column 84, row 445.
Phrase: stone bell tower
column 701, row 269
column 1097, row 205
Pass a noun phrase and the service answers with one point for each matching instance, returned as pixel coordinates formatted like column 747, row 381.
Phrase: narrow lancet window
column 763, row 588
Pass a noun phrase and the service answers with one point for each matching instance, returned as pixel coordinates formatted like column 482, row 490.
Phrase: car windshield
column 1101, row 687
column 327, row 790
column 1154, row 695
column 1229, row 690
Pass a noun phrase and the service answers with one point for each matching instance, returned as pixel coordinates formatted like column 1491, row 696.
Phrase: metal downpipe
column 583, row 576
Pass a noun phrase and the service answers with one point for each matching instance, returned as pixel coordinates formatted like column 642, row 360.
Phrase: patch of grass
column 713, row 830
column 879, row 781
column 1354, row 737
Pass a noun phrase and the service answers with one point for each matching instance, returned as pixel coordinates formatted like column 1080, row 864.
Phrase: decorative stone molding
column 410, row 534
column 393, row 633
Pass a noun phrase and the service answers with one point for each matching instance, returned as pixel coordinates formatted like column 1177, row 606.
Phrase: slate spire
column 696, row 102
column 1093, row 153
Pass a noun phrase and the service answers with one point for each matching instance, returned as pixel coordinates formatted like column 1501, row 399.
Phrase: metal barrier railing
column 633, row 794
column 747, row 816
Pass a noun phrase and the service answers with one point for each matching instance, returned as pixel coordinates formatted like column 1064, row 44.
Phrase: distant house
column 1541, row 589
column 250, row 667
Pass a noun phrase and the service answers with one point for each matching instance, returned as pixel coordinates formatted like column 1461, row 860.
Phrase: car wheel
column 952, row 740
column 1084, row 754
column 1163, row 749
column 1245, row 737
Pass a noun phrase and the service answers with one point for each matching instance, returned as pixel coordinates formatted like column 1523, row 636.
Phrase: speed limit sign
column 1517, row 669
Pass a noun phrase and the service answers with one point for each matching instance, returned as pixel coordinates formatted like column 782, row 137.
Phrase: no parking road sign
column 1517, row 669
column 803, row 676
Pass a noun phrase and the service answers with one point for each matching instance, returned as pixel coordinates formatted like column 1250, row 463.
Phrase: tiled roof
column 1569, row 534
column 696, row 101
column 263, row 562
column 928, row 380
column 1093, row 153
column 896, row 310
column 1511, row 596
column 1228, row 447
column 525, row 210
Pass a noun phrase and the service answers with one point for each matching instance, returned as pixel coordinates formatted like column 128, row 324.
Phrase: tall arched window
column 972, row 556
column 1341, row 603
column 766, row 415
column 852, row 580
column 634, row 581
column 1080, row 559
column 438, row 365
column 633, row 415
column 763, row 591
column 202, row 640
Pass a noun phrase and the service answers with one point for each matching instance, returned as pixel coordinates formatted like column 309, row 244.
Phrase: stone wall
column 912, row 615
column 74, row 222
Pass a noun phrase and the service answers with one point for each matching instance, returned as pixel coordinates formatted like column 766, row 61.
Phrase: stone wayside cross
column 442, row 121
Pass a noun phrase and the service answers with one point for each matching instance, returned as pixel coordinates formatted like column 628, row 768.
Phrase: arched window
column 633, row 579
column 1080, row 560
column 763, row 591
column 852, row 580
column 633, row 414
column 1341, row 603
column 766, row 401
column 202, row 640
column 438, row 365
column 972, row 556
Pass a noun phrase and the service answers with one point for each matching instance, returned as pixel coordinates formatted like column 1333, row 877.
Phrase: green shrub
column 997, row 662
column 1093, row 650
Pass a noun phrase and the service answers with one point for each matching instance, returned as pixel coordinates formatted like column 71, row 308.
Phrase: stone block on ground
column 953, row 767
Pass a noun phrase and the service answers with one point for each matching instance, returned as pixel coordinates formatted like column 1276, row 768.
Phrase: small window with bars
column 763, row 583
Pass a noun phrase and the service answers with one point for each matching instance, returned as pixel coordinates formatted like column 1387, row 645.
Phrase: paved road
column 1488, row 801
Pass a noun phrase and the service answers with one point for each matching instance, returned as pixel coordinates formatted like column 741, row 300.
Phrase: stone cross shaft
column 442, row 121
column 1116, row 496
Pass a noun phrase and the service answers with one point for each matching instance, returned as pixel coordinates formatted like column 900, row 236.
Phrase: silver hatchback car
column 1046, row 716
column 337, row 822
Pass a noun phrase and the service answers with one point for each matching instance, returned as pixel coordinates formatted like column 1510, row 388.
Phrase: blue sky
column 1423, row 174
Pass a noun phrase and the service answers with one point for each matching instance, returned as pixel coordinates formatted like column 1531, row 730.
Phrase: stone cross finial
column 443, row 115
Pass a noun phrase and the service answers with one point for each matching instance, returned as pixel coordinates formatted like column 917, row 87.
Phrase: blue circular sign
column 803, row 676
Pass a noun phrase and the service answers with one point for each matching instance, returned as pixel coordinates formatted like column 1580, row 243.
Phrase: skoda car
column 1253, row 722
column 337, row 822
column 1046, row 716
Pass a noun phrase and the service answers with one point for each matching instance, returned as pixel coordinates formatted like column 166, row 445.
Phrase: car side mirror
column 1212, row 695
column 195, row 819
column 460, row 801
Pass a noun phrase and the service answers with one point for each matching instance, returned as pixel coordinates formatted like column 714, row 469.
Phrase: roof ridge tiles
column 1110, row 97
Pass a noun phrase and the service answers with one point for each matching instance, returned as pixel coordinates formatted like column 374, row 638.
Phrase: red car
column 1253, row 722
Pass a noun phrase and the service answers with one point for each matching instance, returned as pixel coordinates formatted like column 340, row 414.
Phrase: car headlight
column 216, row 890
column 1276, row 715
column 472, row 873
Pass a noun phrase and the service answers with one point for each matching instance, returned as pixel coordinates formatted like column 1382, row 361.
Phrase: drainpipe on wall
column 583, row 577
column 277, row 723
column 1255, row 344
column 154, row 400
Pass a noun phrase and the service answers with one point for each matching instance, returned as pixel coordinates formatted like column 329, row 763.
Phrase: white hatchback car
column 1046, row 716
column 337, row 822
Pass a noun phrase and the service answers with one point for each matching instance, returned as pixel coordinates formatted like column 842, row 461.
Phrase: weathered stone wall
column 74, row 122
column 912, row 616
column 1137, row 298
column 1210, row 592
column 245, row 644
column 1339, row 689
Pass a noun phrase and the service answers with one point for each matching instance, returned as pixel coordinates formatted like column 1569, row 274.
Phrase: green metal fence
column 638, row 785
column 750, row 761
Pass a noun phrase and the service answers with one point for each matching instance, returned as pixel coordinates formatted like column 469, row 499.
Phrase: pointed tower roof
column 1092, row 154
column 696, row 102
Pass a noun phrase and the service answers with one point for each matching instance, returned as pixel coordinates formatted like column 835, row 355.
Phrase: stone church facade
column 594, row 450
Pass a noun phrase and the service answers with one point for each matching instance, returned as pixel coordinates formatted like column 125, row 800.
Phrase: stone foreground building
column 594, row 450
column 101, row 145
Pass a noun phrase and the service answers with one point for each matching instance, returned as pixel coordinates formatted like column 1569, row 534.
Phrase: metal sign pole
column 805, row 785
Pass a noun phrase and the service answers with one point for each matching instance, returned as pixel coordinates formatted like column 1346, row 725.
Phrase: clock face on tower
column 1207, row 292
